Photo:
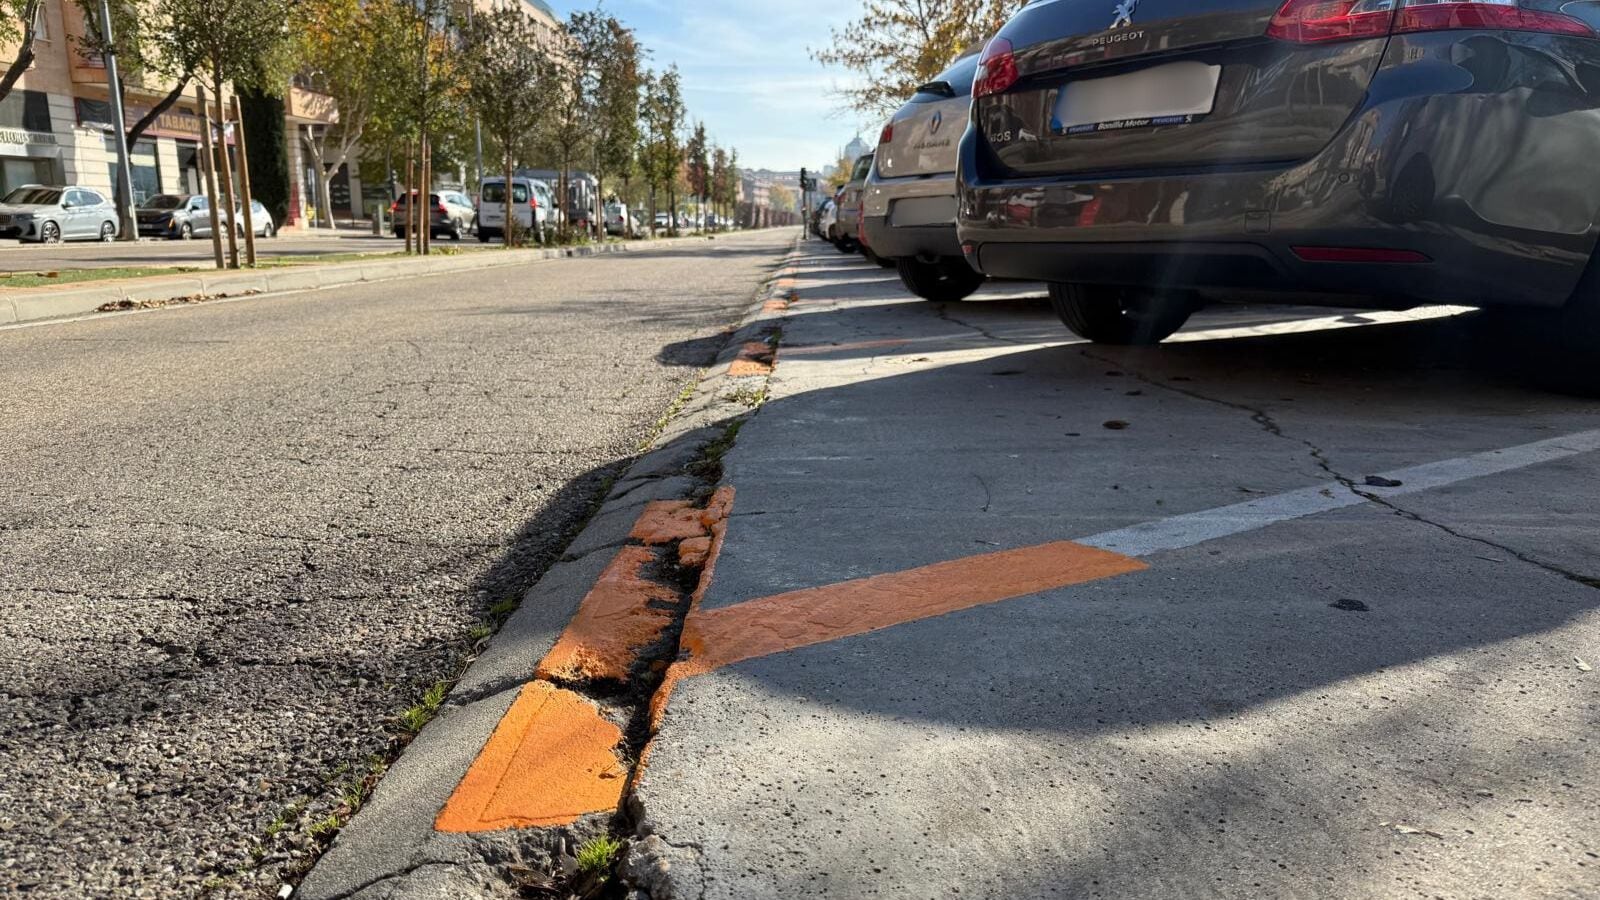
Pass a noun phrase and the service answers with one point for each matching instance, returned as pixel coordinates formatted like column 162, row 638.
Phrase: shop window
column 146, row 168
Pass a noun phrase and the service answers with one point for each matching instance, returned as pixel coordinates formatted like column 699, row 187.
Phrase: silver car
column 909, row 211
column 50, row 215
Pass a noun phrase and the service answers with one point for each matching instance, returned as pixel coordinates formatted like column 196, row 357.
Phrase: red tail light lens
column 1491, row 15
column 997, row 69
column 887, row 135
column 1321, row 21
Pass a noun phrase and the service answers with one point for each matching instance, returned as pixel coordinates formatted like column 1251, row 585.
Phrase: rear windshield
column 496, row 193
column 165, row 201
column 34, row 196
column 959, row 76
column 863, row 166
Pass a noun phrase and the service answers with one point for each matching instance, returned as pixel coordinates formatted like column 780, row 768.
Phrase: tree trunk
column 225, row 163
column 25, row 55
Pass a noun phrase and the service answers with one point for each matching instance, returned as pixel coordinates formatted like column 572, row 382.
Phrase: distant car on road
column 620, row 221
column 663, row 221
column 531, row 199
column 818, row 214
column 50, row 215
column 451, row 215
column 828, row 224
column 1371, row 154
column 260, row 221
column 909, row 213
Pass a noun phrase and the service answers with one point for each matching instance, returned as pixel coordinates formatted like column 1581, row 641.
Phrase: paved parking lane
column 1354, row 659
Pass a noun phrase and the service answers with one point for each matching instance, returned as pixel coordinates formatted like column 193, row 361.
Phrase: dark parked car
column 179, row 216
column 847, row 226
column 1146, row 157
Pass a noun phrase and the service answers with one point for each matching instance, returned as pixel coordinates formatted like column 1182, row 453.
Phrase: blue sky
column 746, row 72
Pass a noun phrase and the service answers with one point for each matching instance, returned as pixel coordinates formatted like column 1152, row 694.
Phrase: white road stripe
column 1188, row 530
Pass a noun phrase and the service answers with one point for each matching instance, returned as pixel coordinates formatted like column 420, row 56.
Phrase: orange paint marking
column 721, row 637
column 717, row 511
column 550, row 762
column 755, row 358
column 692, row 553
column 616, row 619
column 775, row 306
column 666, row 522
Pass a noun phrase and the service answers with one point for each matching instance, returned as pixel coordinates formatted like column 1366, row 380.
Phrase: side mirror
column 67, row 204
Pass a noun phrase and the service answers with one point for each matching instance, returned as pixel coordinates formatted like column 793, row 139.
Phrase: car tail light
column 997, row 69
column 1322, row 21
column 1359, row 255
column 887, row 135
column 1492, row 15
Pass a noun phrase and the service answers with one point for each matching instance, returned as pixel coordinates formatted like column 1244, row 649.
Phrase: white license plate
column 1173, row 94
column 916, row 211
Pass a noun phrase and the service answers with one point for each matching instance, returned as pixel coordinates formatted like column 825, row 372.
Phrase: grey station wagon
column 1146, row 156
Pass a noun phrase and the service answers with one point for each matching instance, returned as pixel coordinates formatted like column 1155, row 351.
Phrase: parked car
column 452, row 215
column 818, row 214
column 828, row 225
column 847, row 230
column 620, row 221
column 663, row 221
column 909, row 210
column 532, row 200
column 1354, row 154
column 260, row 220
column 177, row 216
column 50, row 215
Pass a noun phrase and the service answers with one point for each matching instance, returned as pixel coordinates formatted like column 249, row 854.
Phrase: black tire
column 456, row 230
column 269, row 230
column 1551, row 349
column 875, row 259
column 945, row 281
column 49, row 233
column 108, row 232
column 1108, row 314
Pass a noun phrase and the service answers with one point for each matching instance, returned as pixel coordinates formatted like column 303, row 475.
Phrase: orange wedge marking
column 623, row 613
column 549, row 763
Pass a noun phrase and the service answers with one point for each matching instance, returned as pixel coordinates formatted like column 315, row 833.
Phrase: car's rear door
column 1148, row 85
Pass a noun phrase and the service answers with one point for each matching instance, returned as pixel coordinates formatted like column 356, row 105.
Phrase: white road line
column 1188, row 530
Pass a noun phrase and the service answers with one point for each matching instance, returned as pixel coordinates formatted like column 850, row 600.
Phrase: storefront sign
column 17, row 137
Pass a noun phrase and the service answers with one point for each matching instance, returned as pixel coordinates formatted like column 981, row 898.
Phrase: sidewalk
column 1300, row 604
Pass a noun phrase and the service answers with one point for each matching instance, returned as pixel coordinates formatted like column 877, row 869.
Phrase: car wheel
column 269, row 230
column 108, row 232
column 49, row 233
column 945, row 281
column 185, row 231
column 456, row 230
column 1109, row 314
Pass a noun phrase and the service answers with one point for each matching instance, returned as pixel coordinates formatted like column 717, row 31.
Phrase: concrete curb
column 44, row 304
column 390, row 850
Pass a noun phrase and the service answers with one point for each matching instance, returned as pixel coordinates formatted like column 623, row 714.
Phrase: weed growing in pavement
column 754, row 398
column 413, row 719
column 598, row 854
column 325, row 826
column 478, row 632
column 676, row 407
column 709, row 466
column 502, row 611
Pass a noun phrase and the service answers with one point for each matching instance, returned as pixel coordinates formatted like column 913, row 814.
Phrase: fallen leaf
column 1117, row 425
column 1583, row 666
column 1380, row 481
column 1412, row 829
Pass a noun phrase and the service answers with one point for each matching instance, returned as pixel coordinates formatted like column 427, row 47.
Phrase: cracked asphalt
column 1360, row 661
column 241, row 538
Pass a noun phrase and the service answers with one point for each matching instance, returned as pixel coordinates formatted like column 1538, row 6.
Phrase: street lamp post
column 130, row 228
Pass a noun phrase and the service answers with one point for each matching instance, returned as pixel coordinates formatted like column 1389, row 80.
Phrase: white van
column 532, row 199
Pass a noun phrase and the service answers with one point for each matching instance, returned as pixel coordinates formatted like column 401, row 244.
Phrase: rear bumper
column 1472, row 181
column 890, row 242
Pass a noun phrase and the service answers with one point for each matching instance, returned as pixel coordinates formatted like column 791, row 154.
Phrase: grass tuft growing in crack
column 598, row 854
column 708, row 467
column 420, row 714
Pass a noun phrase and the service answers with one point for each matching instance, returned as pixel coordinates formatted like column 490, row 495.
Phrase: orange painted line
column 618, row 617
column 550, row 762
column 716, row 514
column 755, row 358
column 668, row 521
column 721, row 637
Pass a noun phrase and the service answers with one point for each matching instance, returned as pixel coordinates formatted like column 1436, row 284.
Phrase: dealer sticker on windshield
column 1174, row 94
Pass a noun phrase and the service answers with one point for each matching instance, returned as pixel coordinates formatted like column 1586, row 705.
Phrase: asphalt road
column 240, row 538
column 19, row 257
column 1303, row 603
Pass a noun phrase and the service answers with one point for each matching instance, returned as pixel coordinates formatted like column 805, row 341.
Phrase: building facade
column 55, row 125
